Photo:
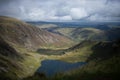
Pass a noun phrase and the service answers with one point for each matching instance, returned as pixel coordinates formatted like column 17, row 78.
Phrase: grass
column 9, row 67
column 91, row 71
column 98, row 68
column 65, row 31
column 30, row 64
column 95, row 70
column 80, row 34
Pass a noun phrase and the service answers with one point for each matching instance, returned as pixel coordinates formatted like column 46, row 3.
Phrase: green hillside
column 8, row 61
column 24, row 46
column 21, row 34
column 102, row 63
column 88, row 33
column 19, row 42
column 80, row 34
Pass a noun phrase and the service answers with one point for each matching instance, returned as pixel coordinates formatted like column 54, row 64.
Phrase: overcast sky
column 61, row 10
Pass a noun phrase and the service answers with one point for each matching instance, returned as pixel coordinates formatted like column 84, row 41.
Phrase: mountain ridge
column 29, row 36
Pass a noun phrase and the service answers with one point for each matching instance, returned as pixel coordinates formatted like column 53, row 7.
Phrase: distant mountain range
column 20, row 44
column 77, row 24
column 95, row 32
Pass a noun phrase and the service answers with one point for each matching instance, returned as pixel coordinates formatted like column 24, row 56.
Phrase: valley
column 24, row 46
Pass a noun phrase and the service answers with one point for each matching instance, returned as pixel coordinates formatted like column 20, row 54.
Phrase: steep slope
column 113, row 33
column 102, row 62
column 7, row 50
column 8, row 61
column 14, row 65
column 80, row 34
column 88, row 34
column 101, row 33
column 26, row 35
column 66, row 31
column 18, row 40
column 110, row 34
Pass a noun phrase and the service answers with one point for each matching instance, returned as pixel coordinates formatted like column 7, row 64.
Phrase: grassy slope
column 104, row 66
column 22, row 34
column 94, row 70
column 78, row 53
column 17, row 62
column 13, row 43
column 13, row 32
column 65, row 31
column 80, row 34
column 9, row 61
column 81, row 52
column 88, row 34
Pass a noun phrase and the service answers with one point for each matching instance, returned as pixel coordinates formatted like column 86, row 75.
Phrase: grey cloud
column 61, row 10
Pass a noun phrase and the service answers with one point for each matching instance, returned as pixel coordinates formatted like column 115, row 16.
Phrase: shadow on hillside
column 8, row 51
column 105, row 50
column 51, row 52
column 37, row 76
column 101, row 51
column 8, row 61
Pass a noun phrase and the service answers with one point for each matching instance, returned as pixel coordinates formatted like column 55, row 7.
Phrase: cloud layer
column 62, row 10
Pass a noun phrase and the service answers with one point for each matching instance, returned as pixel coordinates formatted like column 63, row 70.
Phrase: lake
column 51, row 67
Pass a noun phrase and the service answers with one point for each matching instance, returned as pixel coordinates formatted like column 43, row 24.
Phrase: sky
column 61, row 10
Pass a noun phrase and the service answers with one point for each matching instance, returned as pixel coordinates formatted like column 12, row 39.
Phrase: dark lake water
column 51, row 67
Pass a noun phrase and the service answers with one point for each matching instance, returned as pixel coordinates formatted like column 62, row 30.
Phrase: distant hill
column 102, row 33
column 88, row 34
column 22, row 34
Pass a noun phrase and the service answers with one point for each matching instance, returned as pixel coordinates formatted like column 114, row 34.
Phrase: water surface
column 51, row 67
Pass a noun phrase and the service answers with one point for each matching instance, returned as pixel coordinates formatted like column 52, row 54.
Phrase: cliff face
column 26, row 35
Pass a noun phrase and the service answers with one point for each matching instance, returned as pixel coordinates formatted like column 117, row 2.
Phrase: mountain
column 88, row 34
column 101, row 33
column 7, row 50
column 8, row 61
column 15, row 65
column 19, row 33
column 99, row 49
column 95, row 34
column 19, row 42
column 102, row 62
column 80, row 34
column 113, row 33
